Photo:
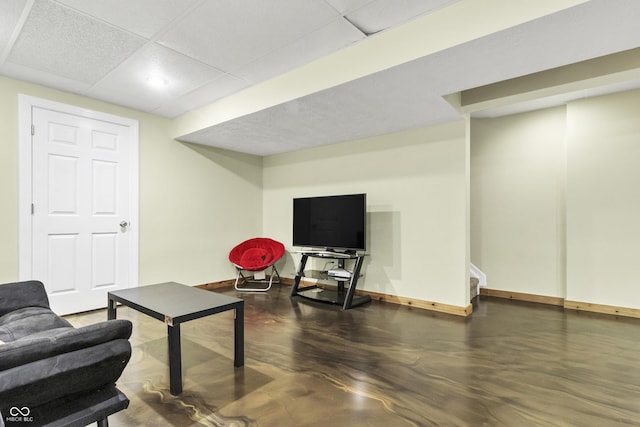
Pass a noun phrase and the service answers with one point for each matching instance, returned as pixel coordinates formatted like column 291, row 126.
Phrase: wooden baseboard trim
column 217, row 285
column 601, row 308
column 426, row 305
column 466, row 311
column 519, row 296
column 561, row 302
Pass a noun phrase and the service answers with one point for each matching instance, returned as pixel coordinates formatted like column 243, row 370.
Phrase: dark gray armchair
column 52, row 373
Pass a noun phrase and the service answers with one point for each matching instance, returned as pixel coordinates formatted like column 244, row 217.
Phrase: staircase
column 476, row 279
column 473, row 291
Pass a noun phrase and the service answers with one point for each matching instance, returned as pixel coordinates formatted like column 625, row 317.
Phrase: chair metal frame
column 246, row 280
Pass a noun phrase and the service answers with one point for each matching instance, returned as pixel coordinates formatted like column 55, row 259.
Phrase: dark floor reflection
column 311, row 364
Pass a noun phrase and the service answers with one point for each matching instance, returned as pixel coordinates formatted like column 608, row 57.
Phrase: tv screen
column 331, row 222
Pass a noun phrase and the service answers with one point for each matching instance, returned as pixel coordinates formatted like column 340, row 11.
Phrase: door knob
column 123, row 224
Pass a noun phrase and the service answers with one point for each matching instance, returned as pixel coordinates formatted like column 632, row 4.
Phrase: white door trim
column 25, row 185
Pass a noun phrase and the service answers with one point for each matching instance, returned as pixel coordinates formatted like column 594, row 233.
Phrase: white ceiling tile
column 382, row 14
column 44, row 78
column 203, row 95
column 181, row 73
column 230, row 34
column 142, row 17
column 10, row 11
column 170, row 110
column 346, row 6
column 65, row 43
column 328, row 39
column 119, row 97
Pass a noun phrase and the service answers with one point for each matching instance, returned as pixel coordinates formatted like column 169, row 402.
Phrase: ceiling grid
column 207, row 50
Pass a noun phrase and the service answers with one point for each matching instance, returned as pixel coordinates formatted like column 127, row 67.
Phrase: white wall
column 196, row 203
column 417, row 196
column 603, row 200
column 517, row 209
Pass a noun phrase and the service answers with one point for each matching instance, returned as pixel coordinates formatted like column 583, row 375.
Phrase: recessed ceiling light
column 156, row 81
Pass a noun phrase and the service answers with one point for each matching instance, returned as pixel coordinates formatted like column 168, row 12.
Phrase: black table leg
column 238, row 335
column 299, row 276
column 175, row 360
column 111, row 309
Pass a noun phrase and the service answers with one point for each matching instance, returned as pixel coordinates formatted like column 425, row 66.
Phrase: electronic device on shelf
column 330, row 222
column 339, row 273
column 345, row 292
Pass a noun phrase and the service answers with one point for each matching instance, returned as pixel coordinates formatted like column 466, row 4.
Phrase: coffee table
column 173, row 304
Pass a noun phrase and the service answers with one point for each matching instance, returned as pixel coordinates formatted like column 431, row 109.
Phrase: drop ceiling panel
column 230, row 34
column 44, row 78
column 203, row 95
column 382, row 14
column 10, row 11
column 65, row 43
column 346, row 6
column 330, row 38
column 142, row 17
column 131, row 79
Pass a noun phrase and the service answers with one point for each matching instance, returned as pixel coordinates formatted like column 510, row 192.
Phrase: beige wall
column 555, row 201
column 195, row 202
column 416, row 194
column 603, row 200
column 8, row 182
column 517, row 172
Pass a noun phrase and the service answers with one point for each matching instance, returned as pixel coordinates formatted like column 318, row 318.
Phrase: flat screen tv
column 330, row 222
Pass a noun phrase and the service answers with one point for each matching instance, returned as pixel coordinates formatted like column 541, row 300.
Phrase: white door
column 82, row 210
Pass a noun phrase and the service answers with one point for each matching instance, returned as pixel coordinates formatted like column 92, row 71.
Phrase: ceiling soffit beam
column 459, row 23
column 606, row 70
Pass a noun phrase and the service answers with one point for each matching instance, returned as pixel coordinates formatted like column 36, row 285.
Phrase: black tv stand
column 344, row 296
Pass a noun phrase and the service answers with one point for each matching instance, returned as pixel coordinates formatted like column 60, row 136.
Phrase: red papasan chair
column 256, row 255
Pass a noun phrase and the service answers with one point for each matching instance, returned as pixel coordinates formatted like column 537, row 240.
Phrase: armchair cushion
column 48, row 343
column 59, row 372
column 14, row 296
column 27, row 321
column 256, row 254
column 255, row 258
column 44, row 380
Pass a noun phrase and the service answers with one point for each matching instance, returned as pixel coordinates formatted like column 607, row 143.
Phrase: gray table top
column 174, row 299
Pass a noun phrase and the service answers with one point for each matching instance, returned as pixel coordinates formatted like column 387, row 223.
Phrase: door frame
column 26, row 104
